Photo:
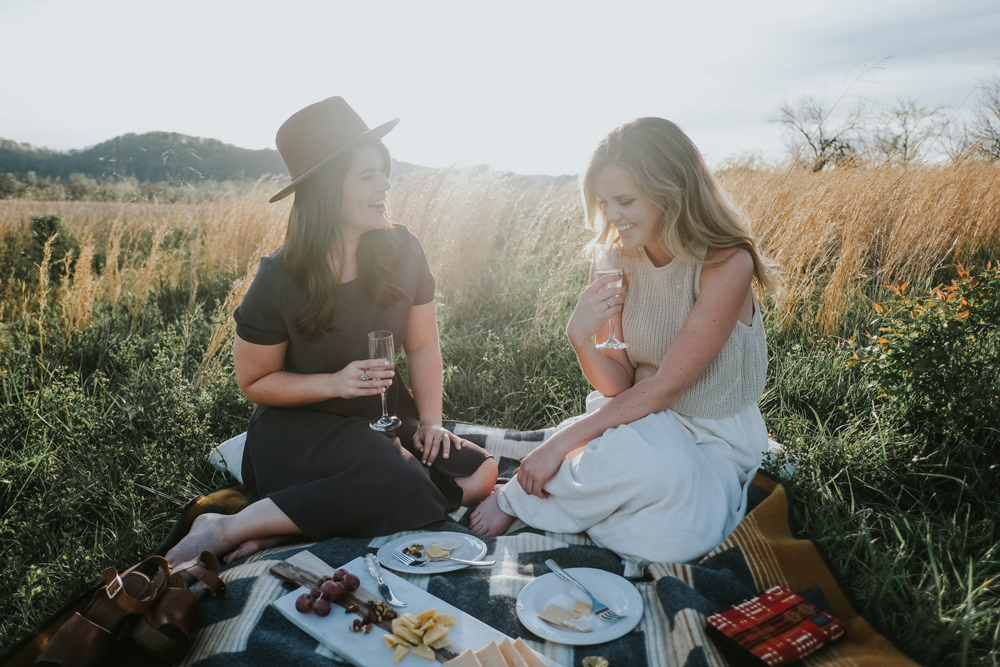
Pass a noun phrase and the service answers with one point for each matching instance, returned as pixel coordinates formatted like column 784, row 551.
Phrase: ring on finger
column 364, row 377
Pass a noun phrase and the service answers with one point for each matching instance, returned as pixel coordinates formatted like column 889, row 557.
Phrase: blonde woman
column 658, row 468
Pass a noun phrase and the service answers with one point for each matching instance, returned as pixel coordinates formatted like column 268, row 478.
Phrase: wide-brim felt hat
column 314, row 136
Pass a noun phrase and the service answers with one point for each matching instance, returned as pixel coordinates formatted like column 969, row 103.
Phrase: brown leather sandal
column 168, row 627
column 85, row 640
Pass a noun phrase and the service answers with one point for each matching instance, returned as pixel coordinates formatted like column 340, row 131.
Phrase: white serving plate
column 369, row 650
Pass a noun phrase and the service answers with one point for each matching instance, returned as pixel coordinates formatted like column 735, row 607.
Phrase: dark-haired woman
column 312, row 465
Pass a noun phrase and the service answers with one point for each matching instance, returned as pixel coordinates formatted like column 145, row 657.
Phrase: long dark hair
column 314, row 235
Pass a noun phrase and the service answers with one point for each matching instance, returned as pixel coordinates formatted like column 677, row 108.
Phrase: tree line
column 819, row 135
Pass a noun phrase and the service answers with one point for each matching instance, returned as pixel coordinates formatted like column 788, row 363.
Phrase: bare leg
column 221, row 533
column 488, row 519
column 250, row 547
column 479, row 484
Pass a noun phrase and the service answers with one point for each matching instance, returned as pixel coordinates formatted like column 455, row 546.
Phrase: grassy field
column 117, row 379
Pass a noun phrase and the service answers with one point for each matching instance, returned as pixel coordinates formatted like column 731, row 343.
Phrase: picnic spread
column 507, row 605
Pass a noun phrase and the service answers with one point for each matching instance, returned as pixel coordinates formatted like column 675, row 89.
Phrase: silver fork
column 600, row 608
column 416, row 562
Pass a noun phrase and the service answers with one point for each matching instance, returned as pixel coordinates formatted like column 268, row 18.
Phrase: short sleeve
column 424, row 292
column 258, row 318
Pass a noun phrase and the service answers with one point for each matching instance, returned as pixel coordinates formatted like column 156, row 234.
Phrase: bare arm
column 725, row 293
column 261, row 378
column 608, row 371
column 423, row 359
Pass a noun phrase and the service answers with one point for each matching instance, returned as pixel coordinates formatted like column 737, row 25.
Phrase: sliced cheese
column 464, row 659
column 490, row 656
column 527, row 654
column 510, row 654
column 583, row 608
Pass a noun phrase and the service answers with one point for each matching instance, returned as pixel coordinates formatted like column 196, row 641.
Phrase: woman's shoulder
column 734, row 257
column 274, row 260
column 403, row 233
column 729, row 266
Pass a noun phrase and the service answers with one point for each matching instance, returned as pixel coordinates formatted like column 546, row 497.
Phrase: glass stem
column 385, row 411
column 611, row 331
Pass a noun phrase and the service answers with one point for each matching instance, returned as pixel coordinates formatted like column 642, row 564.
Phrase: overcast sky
column 529, row 86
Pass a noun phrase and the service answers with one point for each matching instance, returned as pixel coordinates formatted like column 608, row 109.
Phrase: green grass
column 105, row 438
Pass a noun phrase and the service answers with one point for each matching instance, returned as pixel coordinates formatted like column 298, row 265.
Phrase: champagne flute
column 606, row 264
column 380, row 346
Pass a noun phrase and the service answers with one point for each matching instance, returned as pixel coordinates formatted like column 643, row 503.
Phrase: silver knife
column 383, row 588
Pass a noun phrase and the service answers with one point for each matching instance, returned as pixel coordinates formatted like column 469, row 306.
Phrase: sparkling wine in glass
column 606, row 264
column 380, row 346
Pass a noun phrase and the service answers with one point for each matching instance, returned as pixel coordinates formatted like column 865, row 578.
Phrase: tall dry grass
column 837, row 236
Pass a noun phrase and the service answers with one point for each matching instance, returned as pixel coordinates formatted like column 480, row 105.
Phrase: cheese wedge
column 510, row 654
column 401, row 652
column 423, row 651
column 435, row 633
column 490, row 656
column 464, row 659
column 445, row 619
column 528, row 654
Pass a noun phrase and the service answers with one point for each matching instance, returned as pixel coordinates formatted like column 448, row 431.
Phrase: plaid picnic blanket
column 241, row 627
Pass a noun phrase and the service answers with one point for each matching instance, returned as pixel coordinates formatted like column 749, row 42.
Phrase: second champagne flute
column 380, row 346
column 606, row 264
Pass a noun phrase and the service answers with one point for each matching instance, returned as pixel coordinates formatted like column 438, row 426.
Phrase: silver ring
column 607, row 303
column 364, row 377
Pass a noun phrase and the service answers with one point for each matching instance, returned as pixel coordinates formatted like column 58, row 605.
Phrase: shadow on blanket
column 241, row 628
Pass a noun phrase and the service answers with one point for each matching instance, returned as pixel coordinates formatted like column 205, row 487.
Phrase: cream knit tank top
column 658, row 301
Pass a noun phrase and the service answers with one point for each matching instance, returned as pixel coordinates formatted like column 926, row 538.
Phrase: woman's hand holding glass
column 365, row 377
column 597, row 305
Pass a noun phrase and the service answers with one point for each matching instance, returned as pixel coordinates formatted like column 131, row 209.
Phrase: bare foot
column 206, row 534
column 489, row 520
column 250, row 547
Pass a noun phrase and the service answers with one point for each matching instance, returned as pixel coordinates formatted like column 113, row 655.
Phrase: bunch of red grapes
column 327, row 591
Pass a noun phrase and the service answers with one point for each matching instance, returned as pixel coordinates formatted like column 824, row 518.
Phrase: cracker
column 556, row 614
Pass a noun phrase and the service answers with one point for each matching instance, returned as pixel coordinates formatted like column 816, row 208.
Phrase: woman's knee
column 479, row 485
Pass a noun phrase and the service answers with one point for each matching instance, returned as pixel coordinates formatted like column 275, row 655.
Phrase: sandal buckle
column 114, row 586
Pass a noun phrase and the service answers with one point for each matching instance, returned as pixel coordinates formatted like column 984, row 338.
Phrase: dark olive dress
column 321, row 464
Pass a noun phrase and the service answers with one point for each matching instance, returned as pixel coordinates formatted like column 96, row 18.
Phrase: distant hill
column 154, row 156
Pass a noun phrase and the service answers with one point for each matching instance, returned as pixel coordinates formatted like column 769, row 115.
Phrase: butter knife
column 383, row 588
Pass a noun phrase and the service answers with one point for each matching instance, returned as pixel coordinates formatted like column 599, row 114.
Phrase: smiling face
column 365, row 186
column 633, row 214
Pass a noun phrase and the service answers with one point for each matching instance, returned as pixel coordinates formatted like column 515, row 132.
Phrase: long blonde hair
column 667, row 168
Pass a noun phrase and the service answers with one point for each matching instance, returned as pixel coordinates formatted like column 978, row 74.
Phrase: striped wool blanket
column 241, row 627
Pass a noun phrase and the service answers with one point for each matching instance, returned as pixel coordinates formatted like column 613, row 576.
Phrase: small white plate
column 614, row 591
column 469, row 547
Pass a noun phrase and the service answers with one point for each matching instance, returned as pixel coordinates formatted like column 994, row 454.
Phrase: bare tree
column 985, row 125
column 904, row 132
column 813, row 137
